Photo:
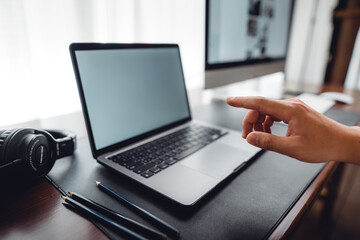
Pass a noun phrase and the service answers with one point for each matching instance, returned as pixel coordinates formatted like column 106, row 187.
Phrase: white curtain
column 310, row 41
column 352, row 80
column 36, row 75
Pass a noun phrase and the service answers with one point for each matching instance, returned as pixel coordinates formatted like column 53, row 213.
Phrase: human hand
column 310, row 137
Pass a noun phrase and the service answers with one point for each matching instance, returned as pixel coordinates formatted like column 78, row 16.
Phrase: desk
column 36, row 212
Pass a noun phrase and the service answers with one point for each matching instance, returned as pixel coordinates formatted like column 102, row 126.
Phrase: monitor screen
column 131, row 91
column 246, row 31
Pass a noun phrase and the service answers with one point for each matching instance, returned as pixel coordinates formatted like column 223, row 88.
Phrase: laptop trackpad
column 217, row 159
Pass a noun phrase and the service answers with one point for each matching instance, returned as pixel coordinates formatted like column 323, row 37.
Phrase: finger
column 276, row 108
column 293, row 100
column 249, row 121
column 283, row 145
column 268, row 124
column 261, row 118
column 269, row 121
column 258, row 125
column 275, row 119
column 267, row 129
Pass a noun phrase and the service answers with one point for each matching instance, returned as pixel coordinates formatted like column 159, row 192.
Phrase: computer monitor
column 245, row 39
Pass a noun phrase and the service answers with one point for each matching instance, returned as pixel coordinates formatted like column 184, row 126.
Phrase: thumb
column 270, row 142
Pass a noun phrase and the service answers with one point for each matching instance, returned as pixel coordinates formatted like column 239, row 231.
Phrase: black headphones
column 32, row 151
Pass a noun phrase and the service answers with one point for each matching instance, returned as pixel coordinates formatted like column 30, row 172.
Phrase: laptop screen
column 131, row 91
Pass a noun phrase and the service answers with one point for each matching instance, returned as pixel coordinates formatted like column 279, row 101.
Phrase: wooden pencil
column 140, row 210
column 125, row 221
column 101, row 218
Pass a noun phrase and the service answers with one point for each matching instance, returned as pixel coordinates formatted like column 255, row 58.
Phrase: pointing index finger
column 276, row 108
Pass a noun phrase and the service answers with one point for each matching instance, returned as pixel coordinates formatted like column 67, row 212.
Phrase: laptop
column 139, row 123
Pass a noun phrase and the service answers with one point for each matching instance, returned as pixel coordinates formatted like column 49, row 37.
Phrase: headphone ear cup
column 38, row 154
column 4, row 137
column 31, row 148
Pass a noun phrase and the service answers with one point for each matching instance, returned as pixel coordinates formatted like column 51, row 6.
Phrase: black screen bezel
column 214, row 66
column 107, row 46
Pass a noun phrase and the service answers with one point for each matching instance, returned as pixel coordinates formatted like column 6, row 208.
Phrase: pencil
column 125, row 221
column 140, row 210
column 103, row 219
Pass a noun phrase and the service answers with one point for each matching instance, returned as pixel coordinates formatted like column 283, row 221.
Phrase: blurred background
column 36, row 69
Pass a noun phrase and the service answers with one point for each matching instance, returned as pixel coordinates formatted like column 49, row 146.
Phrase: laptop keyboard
column 155, row 156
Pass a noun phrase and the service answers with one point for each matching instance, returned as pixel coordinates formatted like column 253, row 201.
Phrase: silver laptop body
column 134, row 94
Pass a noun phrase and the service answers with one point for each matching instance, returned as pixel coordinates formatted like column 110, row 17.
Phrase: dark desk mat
column 248, row 205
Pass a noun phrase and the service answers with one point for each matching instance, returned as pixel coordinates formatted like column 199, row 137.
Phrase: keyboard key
column 122, row 162
column 170, row 161
column 155, row 169
column 215, row 136
column 162, row 165
column 158, row 161
column 133, row 165
column 147, row 174
column 188, row 152
column 143, row 168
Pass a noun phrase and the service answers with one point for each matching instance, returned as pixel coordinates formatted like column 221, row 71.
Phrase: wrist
column 352, row 146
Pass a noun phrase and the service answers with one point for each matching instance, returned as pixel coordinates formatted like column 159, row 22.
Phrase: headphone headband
column 64, row 142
